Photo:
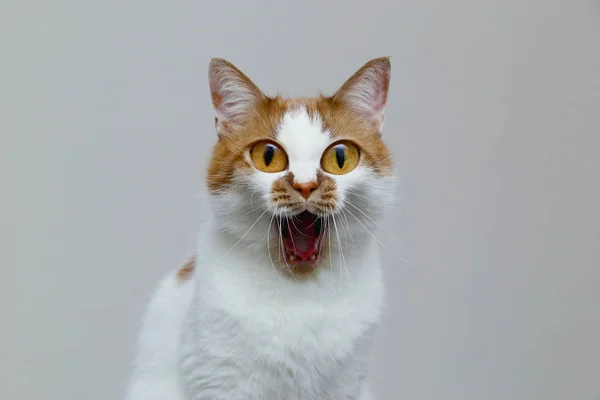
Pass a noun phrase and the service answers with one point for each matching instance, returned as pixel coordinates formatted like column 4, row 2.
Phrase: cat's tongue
column 302, row 241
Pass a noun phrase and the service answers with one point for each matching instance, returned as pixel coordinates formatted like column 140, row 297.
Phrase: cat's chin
column 302, row 239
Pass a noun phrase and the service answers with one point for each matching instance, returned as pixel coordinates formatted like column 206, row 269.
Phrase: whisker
column 375, row 222
column 248, row 213
column 378, row 241
column 290, row 231
column 251, row 196
column 358, row 195
column 298, row 230
column 329, row 244
column 347, row 224
column 284, row 251
column 244, row 235
column 269, row 249
column 321, row 238
column 342, row 259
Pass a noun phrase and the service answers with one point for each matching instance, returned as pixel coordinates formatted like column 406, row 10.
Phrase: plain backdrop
column 493, row 119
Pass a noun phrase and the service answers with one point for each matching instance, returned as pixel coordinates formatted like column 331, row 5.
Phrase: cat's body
column 245, row 336
column 251, row 317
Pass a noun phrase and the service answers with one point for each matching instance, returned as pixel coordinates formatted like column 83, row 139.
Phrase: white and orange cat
column 284, row 293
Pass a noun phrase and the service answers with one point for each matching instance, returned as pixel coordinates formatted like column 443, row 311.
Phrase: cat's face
column 298, row 177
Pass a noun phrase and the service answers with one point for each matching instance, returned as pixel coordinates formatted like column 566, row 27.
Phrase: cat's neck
column 227, row 264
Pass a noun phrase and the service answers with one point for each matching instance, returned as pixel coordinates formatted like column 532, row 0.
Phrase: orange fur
column 186, row 270
column 322, row 199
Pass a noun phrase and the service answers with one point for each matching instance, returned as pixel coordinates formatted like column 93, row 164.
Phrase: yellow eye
column 340, row 158
column 268, row 157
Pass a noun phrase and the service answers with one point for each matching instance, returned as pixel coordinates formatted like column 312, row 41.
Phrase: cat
column 284, row 292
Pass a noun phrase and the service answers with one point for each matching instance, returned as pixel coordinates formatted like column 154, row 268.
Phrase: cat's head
column 297, row 177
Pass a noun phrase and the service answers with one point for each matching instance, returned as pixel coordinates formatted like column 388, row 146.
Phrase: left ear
column 366, row 91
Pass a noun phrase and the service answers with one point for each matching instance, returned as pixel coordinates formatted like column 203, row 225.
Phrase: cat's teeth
column 312, row 258
column 292, row 258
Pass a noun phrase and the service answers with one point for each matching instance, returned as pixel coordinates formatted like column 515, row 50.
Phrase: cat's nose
column 306, row 188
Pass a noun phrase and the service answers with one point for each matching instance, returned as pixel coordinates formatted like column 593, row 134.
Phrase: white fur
column 241, row 329
column 304, row 141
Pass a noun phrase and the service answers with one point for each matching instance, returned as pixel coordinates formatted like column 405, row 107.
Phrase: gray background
column 493, row 117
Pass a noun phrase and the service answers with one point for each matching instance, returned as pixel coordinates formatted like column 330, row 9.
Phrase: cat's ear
column 366, row 91
column 233, row 94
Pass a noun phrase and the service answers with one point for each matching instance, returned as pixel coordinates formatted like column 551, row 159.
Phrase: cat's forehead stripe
column 300, row 131
column 304, row 139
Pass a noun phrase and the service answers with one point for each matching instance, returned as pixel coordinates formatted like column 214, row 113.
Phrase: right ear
column 233, row 94
column 366, row 91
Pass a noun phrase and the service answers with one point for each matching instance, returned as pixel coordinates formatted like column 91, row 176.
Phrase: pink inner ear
column 231, row 111
column 231, row 91
column 367, row 90
column 380, row 91
column 380, row 97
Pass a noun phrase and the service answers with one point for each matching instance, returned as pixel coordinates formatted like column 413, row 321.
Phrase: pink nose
column 305, row 188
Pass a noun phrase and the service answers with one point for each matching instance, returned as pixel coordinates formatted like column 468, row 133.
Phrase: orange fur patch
column 185, row 272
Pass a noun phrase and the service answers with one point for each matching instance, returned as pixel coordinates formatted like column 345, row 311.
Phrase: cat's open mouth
column 301, row 236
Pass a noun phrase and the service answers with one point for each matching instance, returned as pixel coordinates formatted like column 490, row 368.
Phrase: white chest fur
column 250, row 334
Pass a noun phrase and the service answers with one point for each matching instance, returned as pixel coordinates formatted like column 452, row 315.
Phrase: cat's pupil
column 269, row 154
column 340, row 156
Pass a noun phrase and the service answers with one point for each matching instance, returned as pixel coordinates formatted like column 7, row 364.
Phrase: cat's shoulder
column 155, row 372
column 172, row 293
column 179, row 278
